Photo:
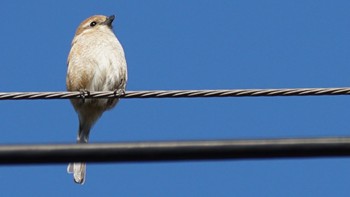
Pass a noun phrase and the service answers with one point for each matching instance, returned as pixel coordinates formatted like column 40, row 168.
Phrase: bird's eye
column 93, row 24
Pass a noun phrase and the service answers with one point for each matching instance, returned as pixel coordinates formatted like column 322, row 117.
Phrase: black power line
column 176, row 151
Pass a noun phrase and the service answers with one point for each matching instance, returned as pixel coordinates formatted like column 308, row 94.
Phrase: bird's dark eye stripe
column 92, row 23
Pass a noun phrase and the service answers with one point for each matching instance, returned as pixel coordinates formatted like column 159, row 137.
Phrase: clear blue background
column 182, row 44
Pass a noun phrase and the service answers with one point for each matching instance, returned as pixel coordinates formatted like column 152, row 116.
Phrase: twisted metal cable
column 178, row 93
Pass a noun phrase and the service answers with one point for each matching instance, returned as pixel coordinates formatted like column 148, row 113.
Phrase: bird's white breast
column 100, row 56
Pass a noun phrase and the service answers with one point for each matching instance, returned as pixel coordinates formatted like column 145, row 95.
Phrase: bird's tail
column 79, row 169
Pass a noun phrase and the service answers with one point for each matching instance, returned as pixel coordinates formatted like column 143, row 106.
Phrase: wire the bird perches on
column 179, row 93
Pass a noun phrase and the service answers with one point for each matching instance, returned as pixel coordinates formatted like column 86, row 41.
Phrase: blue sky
column 183, row 45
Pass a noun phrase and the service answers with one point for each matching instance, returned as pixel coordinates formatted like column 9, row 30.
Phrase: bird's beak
column 109, row 20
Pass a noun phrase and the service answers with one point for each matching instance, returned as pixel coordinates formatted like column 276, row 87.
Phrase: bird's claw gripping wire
column 119, row 92
column 83, row 94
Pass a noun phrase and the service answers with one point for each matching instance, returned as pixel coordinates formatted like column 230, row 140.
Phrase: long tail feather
column 78, row 170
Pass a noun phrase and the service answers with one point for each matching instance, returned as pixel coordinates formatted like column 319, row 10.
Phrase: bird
column 96, row 62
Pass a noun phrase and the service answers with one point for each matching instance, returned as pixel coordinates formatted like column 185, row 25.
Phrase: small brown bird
column 96, row 62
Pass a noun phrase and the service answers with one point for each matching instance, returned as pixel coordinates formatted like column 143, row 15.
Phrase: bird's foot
column 119, row 92
column 83, row 94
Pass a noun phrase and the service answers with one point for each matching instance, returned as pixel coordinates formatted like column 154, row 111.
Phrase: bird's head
column 95, row 23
